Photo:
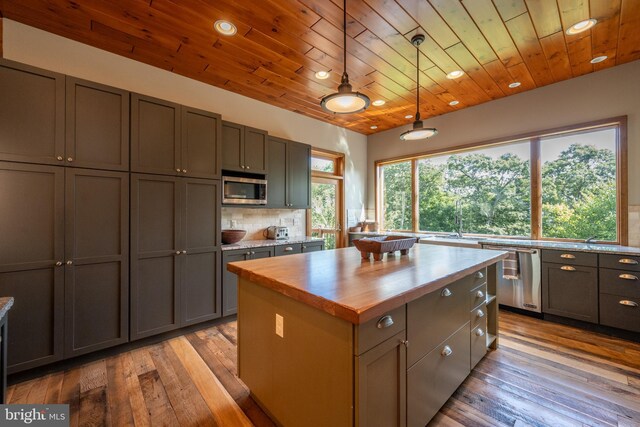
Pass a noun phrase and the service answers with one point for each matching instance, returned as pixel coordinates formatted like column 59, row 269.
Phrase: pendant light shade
column 418, row 131
column 345, row 101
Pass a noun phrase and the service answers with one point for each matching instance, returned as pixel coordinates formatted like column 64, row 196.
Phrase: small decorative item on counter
column 233, row 236
column 355, row 229
column 368, row 226
column 378, row 246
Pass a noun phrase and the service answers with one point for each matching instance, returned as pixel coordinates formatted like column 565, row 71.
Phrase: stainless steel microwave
column 243, row 191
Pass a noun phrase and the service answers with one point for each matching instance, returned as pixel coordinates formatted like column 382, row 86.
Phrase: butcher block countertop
column 341, row 284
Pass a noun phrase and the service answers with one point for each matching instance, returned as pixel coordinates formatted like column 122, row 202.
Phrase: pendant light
column 345, row 101
column 418, row 131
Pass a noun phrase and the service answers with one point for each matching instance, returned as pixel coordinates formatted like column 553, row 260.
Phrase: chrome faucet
column 591, row 239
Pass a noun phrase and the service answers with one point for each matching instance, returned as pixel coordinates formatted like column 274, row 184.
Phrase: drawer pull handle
column 568, row 256
column 446, row 292
column 628, row 277
column 479, row 294
column 479, row 332
column 58, row 263
column 479, row 314
column 479, row 275
column 405, row 342
column 288, row 249
column 628, row 261
column 446, row 351
column 247, row 253
column 629, row 303
column 385, row 322
column 567, row 268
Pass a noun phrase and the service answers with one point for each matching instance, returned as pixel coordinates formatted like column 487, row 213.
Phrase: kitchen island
column 326, row 338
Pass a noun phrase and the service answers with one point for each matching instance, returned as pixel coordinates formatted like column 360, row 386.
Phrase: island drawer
column 479, row 277
column 620, row 312
column 435, row 316
column 623, row 262
column 375, row 331
column 570, row 258
column 478, row 342
column 477, row 296
column 435, row 377
column 293, row 248
column 478, row 315
column 619, row 282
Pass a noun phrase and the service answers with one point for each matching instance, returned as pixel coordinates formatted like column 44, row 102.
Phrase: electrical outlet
column 234, row 223
column 279, row 325
column 296, row 221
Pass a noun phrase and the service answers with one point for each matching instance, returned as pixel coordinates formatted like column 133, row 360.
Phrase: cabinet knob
column 247, row 167
column 384, row 322
column 60, row 158
column 177, row 252
column 568, row 256
column 184, row 252
column 304, row 247
column 253, row 253
column 69, row 159
column 628, row 261
column 479, row 275
column 59, row 263
column 479, row 314
column 446, row 292
column 178, row 170
column 446, row 351
column 69, row 262
column 479, row 332
column 243, row 167
column 628, row 277
column 629, row 303
column 288, row 249
column 405, row 342
column 479, row 294
column 567, row 268
column 248, row 253
column 184, row 171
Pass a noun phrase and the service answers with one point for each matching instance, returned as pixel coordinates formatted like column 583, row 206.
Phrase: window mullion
column 536, row 190
column 415, row 212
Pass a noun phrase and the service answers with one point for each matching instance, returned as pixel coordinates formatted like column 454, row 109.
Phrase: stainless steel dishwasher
column 525, row 292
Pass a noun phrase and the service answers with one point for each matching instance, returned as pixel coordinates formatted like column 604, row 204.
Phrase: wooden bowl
column 233, row 236
column 378, row 246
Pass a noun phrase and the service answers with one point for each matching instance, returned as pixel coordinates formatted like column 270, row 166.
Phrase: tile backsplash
column 256, row 220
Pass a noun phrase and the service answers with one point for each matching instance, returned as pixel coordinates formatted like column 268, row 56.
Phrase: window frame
column 534, row 138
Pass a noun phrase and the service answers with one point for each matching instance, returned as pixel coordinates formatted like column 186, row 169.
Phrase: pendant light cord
column 344, row 35
column 418, row 81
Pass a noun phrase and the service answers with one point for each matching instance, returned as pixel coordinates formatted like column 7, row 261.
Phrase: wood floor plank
column 94, row 409
column 70, row 394
column 54, row 388
column 133, row 390
column 93, row 375
column 156, row 400
column 21, row 392
column 38, row 390
column 117, row 399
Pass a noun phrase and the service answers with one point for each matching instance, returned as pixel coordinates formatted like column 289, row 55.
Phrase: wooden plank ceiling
column 280, row 45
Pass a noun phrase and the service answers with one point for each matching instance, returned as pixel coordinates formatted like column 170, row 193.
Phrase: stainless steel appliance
column 277, row 233
column 244, row 191
column 525, row 292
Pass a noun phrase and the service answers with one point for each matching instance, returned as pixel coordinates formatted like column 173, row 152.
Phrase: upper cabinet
column 170, row 139
column 289, row 174
column 31, row 114
column 97, row 126
column 244, row 149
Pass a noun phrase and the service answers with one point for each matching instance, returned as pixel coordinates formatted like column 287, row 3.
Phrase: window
column 556, row 184
column 326, row 216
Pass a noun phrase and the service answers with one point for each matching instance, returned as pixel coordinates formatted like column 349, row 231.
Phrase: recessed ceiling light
column 374, row 127
column 452, row 103
column 455, row 74
column 409, row 116
column 379, row 102
column 598, row 59
column 581, row 26
column 225, row 28
column 514, row 85
column 322, row 75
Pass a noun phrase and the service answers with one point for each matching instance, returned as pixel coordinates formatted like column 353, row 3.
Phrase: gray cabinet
column 570, row 291
column 96, row 260
column 289, row 174
column 200, row 143
column 230, row 280
column 620, row 292
column 97, row 126
column 175, row 253
column 32, row 114
column 244, row 149
column 288, row 249
column 312, row 246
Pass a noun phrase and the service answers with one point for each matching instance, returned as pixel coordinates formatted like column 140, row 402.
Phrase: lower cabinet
column 313, row 246
column 230, row 280
column 570, row 291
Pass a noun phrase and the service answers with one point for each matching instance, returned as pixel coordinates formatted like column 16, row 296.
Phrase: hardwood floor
column 543, row 374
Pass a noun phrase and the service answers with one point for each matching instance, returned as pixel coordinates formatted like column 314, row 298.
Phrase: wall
column 608, row 93
column 29, row 45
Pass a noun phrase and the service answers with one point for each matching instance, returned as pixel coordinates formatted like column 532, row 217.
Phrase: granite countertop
column 246, row 244
column 523, row 243
column 341, row 283
column 5, row 304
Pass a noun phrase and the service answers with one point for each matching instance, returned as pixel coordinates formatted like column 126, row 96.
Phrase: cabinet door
column 201, row 132
column 277, row 173
column 381, row 384
column 232, row 146
column 299, row 175
column 155, row 136
column 97, row 245
column 32, row 229
column 570, row 291
column 312, row 247
column 230, row 281
column 97, row 126
column 155, row 228
column 31, row 114
column 200, row 284
column 288, row 249
column 255, row 150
